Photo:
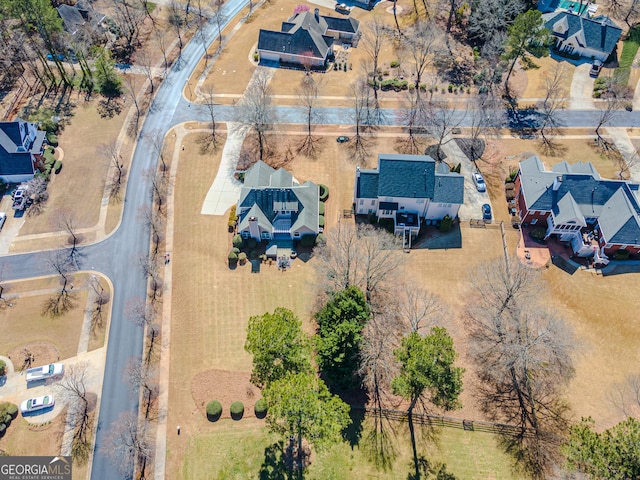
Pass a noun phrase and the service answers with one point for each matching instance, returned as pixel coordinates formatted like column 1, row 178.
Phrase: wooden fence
column 452, row 422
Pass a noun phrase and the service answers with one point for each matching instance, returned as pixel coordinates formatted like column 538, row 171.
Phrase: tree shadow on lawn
column 430, row 237
column 277, row 464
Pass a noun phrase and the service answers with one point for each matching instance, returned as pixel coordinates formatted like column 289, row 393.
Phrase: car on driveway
column 37, row 403
column 342, row 139
column 479, row 182
column 3, row 218
column 486, row 213
column 595, row 68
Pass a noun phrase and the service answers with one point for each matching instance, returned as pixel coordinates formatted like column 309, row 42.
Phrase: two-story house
column 20, row 150
column 572, row 202
column 273, row 205
column 408, row 189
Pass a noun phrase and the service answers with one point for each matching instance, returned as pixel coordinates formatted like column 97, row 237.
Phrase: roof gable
column 619, row 221
column 599, row 33
column 449, row 188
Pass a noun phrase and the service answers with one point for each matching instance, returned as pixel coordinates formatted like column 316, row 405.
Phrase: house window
column 534, row 221
column 297, row 234
column 265, row 235
column 245, row 234
column 361, row 202
column 373, row 202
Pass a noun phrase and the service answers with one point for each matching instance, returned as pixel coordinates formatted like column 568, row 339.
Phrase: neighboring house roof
column 18, row 141
column 409, row 176
column 304, row 34
column 266, row 192
column 598, row 33
column 71, row 18
column 581, row 195
column 368, row 184
column 449, row 188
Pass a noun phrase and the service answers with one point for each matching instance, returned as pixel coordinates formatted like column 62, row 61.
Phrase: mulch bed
column 226, row 387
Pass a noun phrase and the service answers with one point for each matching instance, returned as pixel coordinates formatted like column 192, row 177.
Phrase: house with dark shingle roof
column 573, row 203
column 592, row 38
column 408, row 188
column 274, row 205
column 20, row 150
column 306, row 39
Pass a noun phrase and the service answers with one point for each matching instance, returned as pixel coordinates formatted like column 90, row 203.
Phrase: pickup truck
column 53, row 370
column 20, row 198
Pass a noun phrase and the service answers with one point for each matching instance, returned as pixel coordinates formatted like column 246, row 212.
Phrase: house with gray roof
column 573, row 203
column 273, row 205
column 306, row 39
column 408, row 188
column 20, row 150
column 592, row 38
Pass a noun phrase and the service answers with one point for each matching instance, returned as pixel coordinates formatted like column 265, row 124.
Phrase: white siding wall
column 437, row 211
column 363, row 205
column 268, row 56
column 409, row 204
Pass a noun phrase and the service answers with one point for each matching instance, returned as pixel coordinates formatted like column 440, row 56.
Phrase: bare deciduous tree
column 552, row 105
column 73, row 388
column 255, row 112
column 128, row 443
column 111, row 153
column 149, row 266
column 486, row 116
column 144, row 313
column 420, row 309
column 101, row 298
column 219, row 18
column 625, row 10
column 156, row 223
column 361, row 255
column 608, row 110
column 441, row 119
column 65, row 220
column 414, row 118
column 362, row 115
column 159, row 190
column 308, row 93
column 37, row 192
column 372, row 42
column 422, row 44
column 160, row 41
column 128, row 16
column 62, row 300
column 625, row 396
column 155, row 139
column 142, row 378
column 178, row 21
column 132, row 87
column 210, row 104
column 523, row 356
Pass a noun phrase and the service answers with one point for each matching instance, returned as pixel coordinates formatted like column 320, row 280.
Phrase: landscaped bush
column 7, row 419
column 57, row 167
column 232, row 257
column 321, row 240
column 538, row 233
column 52, row 138
column 621, row 255
column 237, row 241
column 324, row 192
column 321, row 220
column 3, row 429
column 235, row 250
column 321, row 209
column 242, row 258
column 251, row 243
column 3, row 365
column 445, row 224
column 237, row 410
column 10, row 409
column 260, row 408
column 214, row 410
column 233, row 218
column 394, row 64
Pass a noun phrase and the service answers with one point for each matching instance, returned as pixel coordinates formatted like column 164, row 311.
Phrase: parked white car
column 479, row 182
column 37, row 403
column 53, row 370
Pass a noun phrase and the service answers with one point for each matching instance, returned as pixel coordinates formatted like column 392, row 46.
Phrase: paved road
column 117, row 256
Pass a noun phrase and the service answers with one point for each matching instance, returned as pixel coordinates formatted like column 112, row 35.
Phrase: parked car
column 53, row 370
column 3, row 218
column 486, row 212
column 595, row 68
column 343, row 8
column 479, row 182
column 37, row 403
column 342, row 139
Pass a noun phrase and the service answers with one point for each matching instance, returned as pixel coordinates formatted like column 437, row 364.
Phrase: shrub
column 445, row 223
column 324, row 192
column 235, row 250
column 256, row 57
column 57, row 167
column 3, row 365
column 321, row 209
column 237, row 410
column 321, row 220
column 237, row 241
column 7, row 419
column 260, row 408
column 3, row 429
column 232, row 257
column 214, row 410
column 233, row 218
column 12, row 409
column 621, row 255
column 251, row 243
column 394, row 64
column 321, row 240
column 52, row 138
column 242, row 258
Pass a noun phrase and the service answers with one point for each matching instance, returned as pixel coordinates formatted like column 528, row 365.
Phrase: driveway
column 473, row 199
column 581, row 95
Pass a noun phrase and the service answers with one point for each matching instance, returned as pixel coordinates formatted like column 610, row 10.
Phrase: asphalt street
column 117, row 256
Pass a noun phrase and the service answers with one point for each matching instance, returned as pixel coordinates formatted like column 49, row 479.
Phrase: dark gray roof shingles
column 600, row 33
column 367, row 184
column 449, row 188
column 409, row 176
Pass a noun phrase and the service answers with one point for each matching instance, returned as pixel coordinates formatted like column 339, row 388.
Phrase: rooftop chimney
column 557, row 182
column 316, row 14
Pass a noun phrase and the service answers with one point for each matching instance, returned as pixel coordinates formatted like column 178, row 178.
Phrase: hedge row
column 2, row 367
column 214, row 410
column 8, row 411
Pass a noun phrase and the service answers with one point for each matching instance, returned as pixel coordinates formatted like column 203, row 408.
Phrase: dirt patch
column 226, row 387
column 22, row 437
column 42, row 352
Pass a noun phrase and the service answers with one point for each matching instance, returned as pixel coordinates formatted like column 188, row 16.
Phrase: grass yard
column 536, row 77
column 238, row 450
column 629, row 49
column 22, row 436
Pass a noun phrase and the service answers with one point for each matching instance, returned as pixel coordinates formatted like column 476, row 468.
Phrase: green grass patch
column 151, row 6
column 235, row 451
column 49, row 157
column 629, row 50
